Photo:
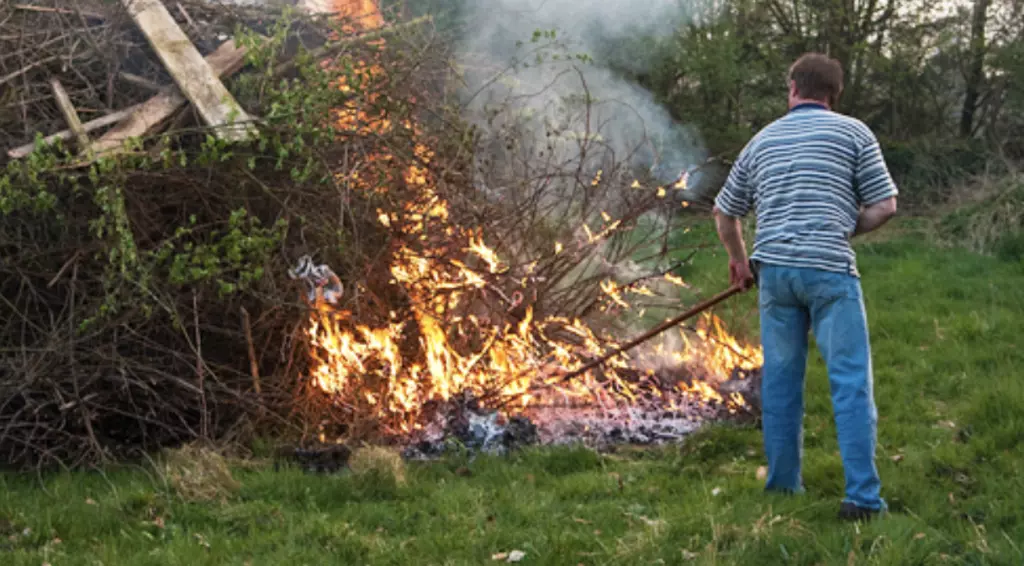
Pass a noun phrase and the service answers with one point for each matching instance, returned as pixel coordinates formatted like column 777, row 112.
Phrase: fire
column 457, row 333
column 718, row 351
column 357, row 14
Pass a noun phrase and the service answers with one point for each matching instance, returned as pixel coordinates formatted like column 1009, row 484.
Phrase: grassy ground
column 947, row 330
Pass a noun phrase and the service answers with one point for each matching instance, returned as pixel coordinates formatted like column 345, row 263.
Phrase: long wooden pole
column 689, row 313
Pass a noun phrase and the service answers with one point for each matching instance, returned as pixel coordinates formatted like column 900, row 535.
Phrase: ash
column 462, row 424
column 600, row 428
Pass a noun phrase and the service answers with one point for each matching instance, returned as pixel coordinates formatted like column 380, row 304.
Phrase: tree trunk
column 976, row 70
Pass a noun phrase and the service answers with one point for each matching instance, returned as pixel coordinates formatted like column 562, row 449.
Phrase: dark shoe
column 851, row 512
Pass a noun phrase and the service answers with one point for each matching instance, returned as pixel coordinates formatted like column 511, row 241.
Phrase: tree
column 976, row 68
column 842, row 28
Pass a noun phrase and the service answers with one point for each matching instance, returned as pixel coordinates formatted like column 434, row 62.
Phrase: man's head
column 815, row 77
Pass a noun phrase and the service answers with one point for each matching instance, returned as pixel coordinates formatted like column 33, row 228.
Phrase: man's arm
column 733, row 203
column 730, row 232
column 875, row 216
column 876, row 189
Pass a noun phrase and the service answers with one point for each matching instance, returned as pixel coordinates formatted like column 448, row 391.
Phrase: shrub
column 925, row 169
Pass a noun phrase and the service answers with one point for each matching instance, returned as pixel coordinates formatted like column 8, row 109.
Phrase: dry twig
column 65, row 11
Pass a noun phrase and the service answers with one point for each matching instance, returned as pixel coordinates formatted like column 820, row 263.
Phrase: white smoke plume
column 532, row 113
column 626, row 121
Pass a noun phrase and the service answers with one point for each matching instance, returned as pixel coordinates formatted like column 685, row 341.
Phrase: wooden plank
column 226, row 60
column 193, row 75
column 102, row 121
column 70, row 114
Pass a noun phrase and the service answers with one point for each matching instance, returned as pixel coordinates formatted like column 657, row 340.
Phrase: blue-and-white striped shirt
column 806, row 175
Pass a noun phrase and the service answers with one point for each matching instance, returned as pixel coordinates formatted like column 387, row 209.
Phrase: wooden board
column 194, row 76
column 70, row 114
column 227, row 59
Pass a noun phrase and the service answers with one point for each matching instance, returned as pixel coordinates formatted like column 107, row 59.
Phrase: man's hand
column 740, row 274
column 730, row 232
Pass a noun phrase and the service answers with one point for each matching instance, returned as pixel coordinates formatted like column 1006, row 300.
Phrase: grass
column 947, row 328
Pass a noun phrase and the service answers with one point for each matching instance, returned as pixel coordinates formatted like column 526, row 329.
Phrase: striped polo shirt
column 807, row 175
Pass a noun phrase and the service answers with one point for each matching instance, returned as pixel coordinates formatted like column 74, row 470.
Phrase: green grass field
column 947, row 330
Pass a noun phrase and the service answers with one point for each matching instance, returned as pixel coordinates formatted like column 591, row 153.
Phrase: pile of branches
column 144, row 296
column 145, row 299
column 583, row 234
column 100, row 57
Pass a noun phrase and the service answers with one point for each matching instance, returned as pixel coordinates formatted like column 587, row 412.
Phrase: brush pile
column 144, row 295
column 145, row 299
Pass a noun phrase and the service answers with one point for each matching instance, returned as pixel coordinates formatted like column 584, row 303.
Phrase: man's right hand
column 740, row 274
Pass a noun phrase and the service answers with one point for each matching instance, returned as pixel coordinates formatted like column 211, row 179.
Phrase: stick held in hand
column 689, row 313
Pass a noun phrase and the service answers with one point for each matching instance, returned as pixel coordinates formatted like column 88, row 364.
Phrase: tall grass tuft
column 988, row 217
column 198, row 473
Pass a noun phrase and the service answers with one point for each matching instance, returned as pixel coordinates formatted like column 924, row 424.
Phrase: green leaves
column 23, row 185
column 540, row 34
column 231, row 259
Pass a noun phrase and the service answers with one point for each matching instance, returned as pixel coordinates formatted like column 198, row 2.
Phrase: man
column 815, row 179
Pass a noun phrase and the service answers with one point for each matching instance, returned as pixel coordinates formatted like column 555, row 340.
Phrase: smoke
column 544, row 86
column 547, row 86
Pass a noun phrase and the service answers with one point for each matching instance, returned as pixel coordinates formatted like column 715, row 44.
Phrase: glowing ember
column 446, row 342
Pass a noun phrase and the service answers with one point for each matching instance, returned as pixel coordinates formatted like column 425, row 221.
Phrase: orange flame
column 719, row 352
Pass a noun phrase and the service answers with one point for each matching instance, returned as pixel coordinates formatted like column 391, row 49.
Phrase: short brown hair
column 817, row 77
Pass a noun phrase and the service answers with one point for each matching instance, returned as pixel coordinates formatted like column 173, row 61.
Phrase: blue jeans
column 794, row 302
